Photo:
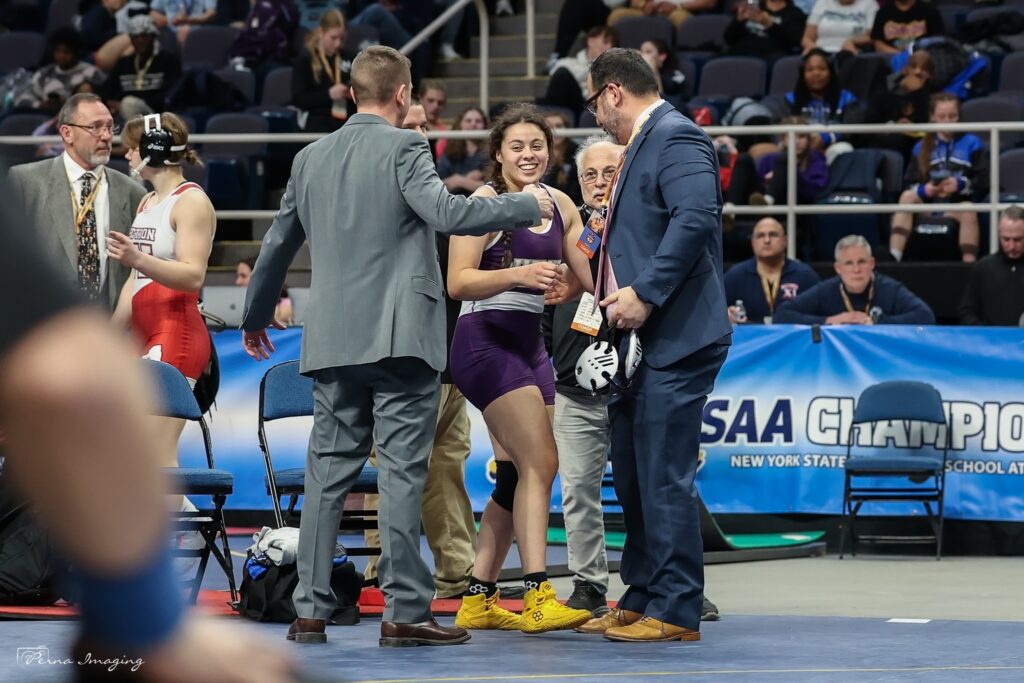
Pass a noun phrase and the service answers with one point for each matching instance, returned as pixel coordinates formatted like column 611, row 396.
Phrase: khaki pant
column 447, row 513
column 677, row 16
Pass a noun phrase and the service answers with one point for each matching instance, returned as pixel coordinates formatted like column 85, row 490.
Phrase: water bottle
column 741, row 311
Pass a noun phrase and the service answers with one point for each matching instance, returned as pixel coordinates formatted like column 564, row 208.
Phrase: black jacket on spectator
column 267, row 34
column 152, row 87
column 899, row 306
column 565, row 344
column 98, row 26
column 782, row 38
column 995, row 292
column 899, row 28
column 313, row 97
column 743, row 283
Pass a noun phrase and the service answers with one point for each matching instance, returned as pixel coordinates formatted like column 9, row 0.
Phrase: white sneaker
column 504, row 8
column 185, row 567
column 552, row 61
column 448, row 51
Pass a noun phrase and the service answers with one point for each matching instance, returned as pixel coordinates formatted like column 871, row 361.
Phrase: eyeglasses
column 98, row 129
column 590, row 176
column 591, row 104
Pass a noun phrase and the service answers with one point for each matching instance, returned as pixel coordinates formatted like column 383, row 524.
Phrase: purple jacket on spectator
column 810, row 181
column 267, row 33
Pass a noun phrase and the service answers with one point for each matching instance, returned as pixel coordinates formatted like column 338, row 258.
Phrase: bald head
column 596, row 162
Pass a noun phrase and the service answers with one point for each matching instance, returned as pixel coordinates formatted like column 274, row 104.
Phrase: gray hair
column 851, row 241
column 71, row 104
column 1013, row 213
column 590, row 142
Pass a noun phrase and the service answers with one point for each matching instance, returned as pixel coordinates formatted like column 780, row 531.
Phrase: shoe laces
column 582, row 590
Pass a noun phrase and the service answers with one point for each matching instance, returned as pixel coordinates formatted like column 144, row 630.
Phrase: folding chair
column 175, row 399
column 907, row 402
column 286, row 393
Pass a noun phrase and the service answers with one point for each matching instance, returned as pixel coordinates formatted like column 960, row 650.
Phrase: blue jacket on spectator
column 897, row 304
column 742, row 282
column 965, row 157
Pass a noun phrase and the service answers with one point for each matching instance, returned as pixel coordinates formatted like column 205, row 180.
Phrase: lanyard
column 334, row 74
column 849, row 304
column 771, row 290
column 606, row 209
column 140, row 73
column 81, row 211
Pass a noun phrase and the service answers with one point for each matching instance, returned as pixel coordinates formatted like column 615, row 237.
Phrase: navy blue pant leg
column 655, row 439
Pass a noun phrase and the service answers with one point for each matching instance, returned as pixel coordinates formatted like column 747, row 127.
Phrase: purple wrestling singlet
column 498, row 346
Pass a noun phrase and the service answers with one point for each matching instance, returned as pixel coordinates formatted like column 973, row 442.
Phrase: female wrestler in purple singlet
column 499, row 362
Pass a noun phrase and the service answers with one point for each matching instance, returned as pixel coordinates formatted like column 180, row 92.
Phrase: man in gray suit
column 81, row 200
column 368, row 199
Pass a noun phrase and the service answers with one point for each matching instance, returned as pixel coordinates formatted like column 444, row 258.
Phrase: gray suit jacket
column 368, row 200
column 45, row 193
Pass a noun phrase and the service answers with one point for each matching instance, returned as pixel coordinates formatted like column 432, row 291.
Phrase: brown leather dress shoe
column 308, row 631
column 651, row 630
column 617, row 617
column 424, row 633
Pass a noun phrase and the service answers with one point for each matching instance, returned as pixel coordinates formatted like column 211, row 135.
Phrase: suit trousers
column 656, row 425
column 581, row 434
column 447, row 513
column 391, row 404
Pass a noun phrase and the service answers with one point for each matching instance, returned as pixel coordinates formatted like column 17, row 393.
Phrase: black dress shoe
column 424, row 633
column 308, row 631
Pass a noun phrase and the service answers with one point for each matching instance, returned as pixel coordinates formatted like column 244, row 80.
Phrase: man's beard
column 99, row 158
column 612, row 123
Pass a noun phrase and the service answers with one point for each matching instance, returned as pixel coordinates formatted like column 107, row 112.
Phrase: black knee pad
column 505, row 480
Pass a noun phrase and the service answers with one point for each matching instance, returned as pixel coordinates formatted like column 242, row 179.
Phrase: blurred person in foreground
column 75, row 408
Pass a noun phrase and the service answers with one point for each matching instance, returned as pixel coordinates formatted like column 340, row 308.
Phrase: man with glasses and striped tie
column 81, row 200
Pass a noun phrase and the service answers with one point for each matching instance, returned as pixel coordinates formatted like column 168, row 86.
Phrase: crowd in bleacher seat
column 461, row 164
column 283, row 65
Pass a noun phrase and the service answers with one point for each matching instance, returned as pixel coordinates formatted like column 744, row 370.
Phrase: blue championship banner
column 774, row 432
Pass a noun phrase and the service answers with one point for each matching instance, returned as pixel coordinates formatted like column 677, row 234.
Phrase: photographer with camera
column 949, row 167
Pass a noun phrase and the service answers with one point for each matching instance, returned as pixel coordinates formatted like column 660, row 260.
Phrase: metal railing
column 790, row 209
column 485, row 40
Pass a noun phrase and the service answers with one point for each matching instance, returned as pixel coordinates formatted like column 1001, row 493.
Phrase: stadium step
column 499, row 66
column 515, row 46
column 514, row 87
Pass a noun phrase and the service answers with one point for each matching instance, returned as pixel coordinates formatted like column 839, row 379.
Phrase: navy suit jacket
column 665, row 237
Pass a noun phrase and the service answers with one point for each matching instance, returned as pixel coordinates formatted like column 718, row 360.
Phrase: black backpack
column 31, row 571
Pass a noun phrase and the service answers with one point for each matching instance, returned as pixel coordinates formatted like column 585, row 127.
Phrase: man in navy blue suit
column 661, row 274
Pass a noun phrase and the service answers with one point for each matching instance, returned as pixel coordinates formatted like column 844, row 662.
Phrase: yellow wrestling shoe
column 481, row 612
column 542, row 612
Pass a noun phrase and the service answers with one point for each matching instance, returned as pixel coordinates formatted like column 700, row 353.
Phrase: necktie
column 88, row 245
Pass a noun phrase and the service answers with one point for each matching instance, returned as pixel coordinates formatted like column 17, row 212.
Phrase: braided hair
column 517, row 113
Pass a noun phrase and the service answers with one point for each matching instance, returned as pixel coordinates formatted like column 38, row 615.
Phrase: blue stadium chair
column 175, row 399
column 21, row 50
column 284, row 393
column 906, row 402
column 235, row 174
column 785, row 73
column 633, row 31
column 733, row 77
